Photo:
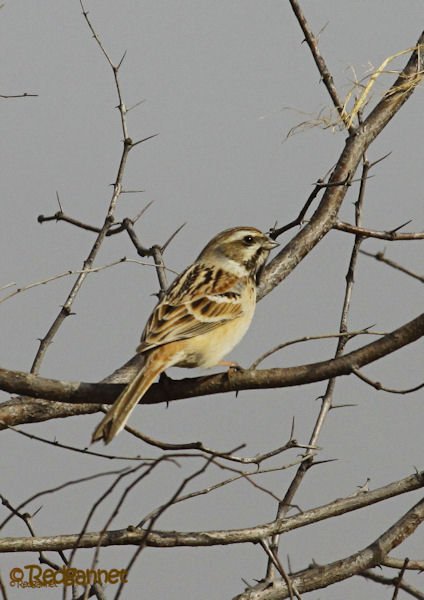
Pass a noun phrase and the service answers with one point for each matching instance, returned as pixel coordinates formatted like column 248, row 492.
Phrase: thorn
column 36, row 512
column 166, row 244
column 292, row 428
column 364, row 487
column 136, row 105
column 149, row 137
column 58, row 201
column 400, row 226
column 371, row 165
column 143, row 210
column 121, row 61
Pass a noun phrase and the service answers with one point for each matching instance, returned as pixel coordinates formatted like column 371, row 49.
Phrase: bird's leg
column 231, row 364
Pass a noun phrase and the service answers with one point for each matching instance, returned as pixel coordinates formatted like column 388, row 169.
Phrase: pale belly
column 209, row 349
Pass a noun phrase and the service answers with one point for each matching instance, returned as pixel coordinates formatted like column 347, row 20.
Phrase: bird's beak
column 269, row 244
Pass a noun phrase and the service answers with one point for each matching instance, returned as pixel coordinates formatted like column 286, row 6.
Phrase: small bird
column 204, row 313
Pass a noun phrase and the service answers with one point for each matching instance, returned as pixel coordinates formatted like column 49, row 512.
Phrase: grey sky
column 223, row 83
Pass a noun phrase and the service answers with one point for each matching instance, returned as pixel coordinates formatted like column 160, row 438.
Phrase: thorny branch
column 92, row 394
column 308, row 338
column 379, row 386
column 393, row 581
column 327, row 399
column 323, row 220
column 128, row 145
column 69, row 273
column 391, row 263
column 321, row 576
column 156, row 251
column 172, row 539
column 326, row 215
column 246, row 460
column 312, row 42
column 391, row 236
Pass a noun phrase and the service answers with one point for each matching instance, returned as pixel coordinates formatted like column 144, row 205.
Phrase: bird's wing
column 200, row 299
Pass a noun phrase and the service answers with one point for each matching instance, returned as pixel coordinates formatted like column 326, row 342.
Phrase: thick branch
column 357, row 143
column 25, row 384
column 172, row 539
column 319, row 577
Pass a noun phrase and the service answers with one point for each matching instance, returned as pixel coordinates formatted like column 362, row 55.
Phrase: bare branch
column 397, row 563
column 327, row 399
column 391, row 236
column 277, row 564
column 29, row 286
column 275, row 232
column 312, row 42
column 172, row 539
column 229, row 455
column 391, row 263
column 393, row 581
column 321, row 576
column 110, row 214
column 378, row 386
column 357, row 143
column 308, row 338
column 60, row 216
column 24, row 95
column 85, row 451
column 91, row 394
column 58, row 489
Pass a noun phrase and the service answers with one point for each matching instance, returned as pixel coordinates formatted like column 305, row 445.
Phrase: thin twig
column 390, row 581
column 84, row 451
column 399, row 579
column 277, row 563
column 128, row 144
column 3, row 589
column 154, row 519
column 397, row 563
column 106, row 494
column 58, row 488
column 391, row 236
column 312, row 42
column 246, row 460
column 47, row 280
column 307, row 338
column 71, row 272
column 24, row 95
column 391, row 263
column 378, row 386
column 60, row 216
column 275, row 232
column 356, row 144
column 328, row 396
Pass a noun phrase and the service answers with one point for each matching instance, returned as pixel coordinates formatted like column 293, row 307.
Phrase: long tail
column 114, row 421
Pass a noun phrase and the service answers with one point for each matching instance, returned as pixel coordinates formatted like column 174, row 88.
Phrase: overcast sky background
column 222, row 82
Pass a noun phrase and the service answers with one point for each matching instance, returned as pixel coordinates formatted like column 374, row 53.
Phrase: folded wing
column 200, row 300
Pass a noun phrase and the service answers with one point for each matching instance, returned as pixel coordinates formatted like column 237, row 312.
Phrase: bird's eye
column 248, row 240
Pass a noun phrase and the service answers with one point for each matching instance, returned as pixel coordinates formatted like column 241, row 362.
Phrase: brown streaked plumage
column 202, row 316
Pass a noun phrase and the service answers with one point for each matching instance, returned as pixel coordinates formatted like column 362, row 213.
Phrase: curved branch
column 166, row 390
